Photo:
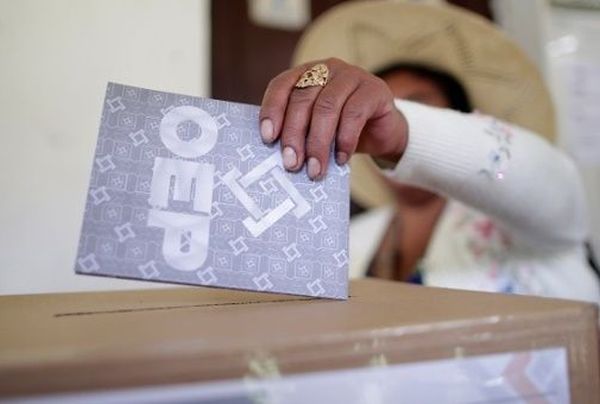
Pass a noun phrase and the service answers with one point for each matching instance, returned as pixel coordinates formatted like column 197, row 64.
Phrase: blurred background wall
column 57, row 55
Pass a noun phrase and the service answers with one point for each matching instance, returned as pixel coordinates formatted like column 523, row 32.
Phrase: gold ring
column 315, row 76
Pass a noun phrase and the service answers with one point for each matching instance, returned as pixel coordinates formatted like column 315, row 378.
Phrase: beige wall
column 56, row 57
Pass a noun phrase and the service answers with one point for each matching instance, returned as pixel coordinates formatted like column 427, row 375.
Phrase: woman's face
column 409, row 86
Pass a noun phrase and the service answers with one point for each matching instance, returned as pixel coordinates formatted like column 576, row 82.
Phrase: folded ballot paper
column 183, row 190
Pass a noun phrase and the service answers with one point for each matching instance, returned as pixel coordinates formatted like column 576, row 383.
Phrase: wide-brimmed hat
column 498, row 77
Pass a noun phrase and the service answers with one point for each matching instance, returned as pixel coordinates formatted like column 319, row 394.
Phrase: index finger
column 274, row 103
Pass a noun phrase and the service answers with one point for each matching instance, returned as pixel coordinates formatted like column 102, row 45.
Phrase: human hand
column 355, row 109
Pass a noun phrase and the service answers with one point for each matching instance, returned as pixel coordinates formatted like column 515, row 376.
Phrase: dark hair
column 450, row 87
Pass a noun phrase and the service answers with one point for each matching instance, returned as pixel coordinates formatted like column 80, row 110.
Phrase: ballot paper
column 183, row 190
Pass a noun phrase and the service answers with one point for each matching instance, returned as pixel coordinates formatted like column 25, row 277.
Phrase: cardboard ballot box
column 82, row 342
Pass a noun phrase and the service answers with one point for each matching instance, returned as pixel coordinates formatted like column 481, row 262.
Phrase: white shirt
column 515, row 220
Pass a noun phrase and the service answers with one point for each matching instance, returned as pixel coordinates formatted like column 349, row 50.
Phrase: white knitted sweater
column 515, row 220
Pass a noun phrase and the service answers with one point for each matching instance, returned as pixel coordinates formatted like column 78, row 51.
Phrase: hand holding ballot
column 349, row 108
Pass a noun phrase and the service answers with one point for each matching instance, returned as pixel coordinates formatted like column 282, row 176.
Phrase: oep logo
column 186, row 235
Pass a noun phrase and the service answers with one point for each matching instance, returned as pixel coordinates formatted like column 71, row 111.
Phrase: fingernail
column 266, row 130
column 314, row 168
column 289, row 158
column 341, row 158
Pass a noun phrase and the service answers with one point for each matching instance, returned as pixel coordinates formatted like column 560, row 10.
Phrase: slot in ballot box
column 389, row 339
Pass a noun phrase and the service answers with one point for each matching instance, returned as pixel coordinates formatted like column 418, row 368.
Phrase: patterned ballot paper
column 183, row 190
